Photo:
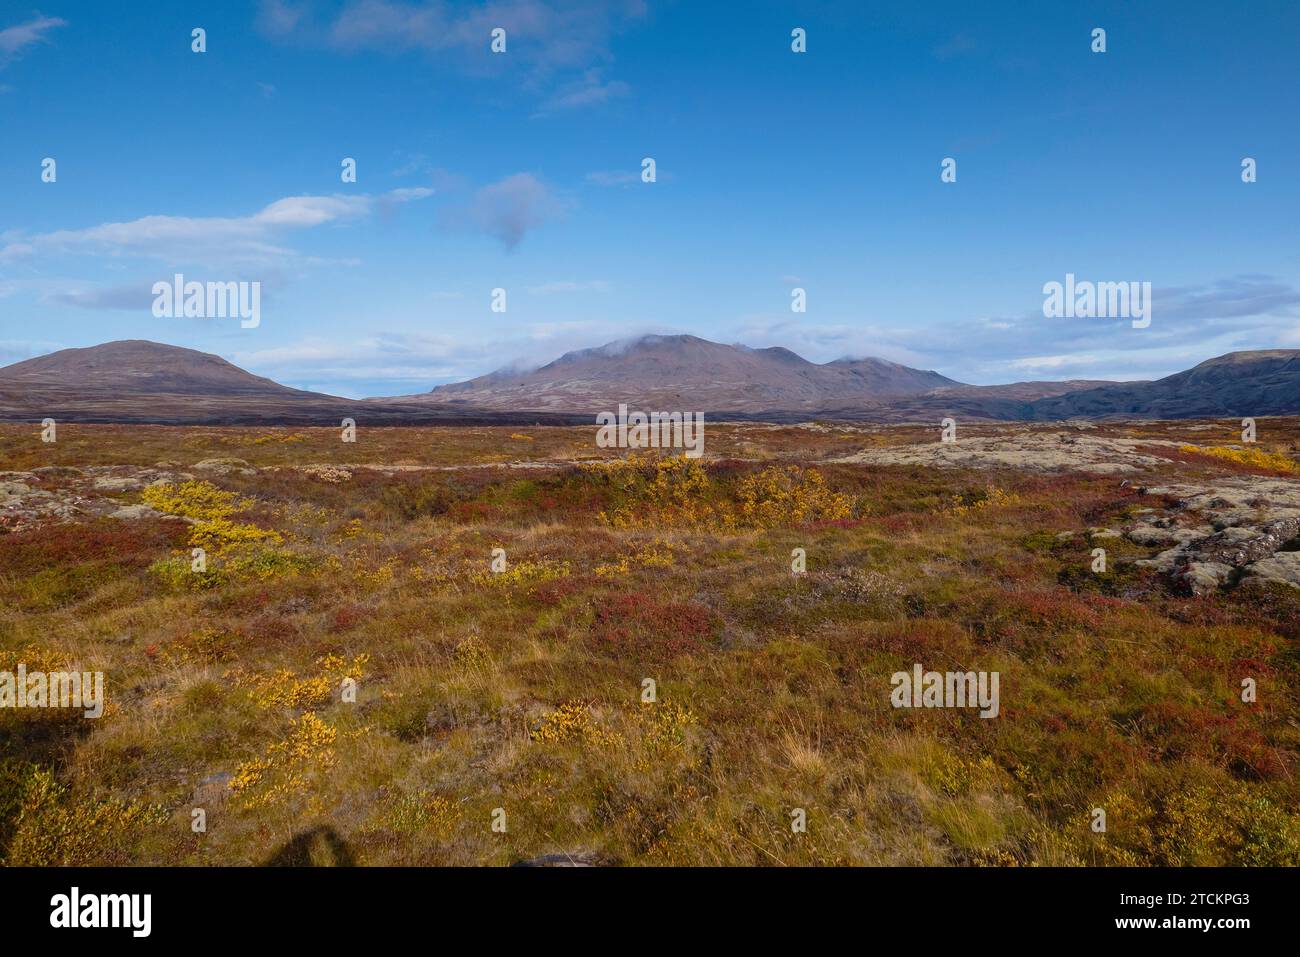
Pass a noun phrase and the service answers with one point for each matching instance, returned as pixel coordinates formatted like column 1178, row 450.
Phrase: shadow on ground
column 318, row 847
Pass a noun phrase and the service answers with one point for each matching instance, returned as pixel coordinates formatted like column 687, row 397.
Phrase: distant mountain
column 138, row 367
column 1265, row 382
column 1023, row 391
column 137, row 381
column 665, row 373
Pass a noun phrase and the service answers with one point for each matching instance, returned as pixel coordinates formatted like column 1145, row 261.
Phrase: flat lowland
column 491, row 645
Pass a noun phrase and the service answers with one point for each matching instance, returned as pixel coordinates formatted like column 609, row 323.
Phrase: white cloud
column 1051, row 363
column 132, row 297
column 556, row 48
column 16, row 350
column 276, row 17
column 546, row 33
column 590, row 90
column 15, row 39
column 209, row 239
column 615, row 177
column 1190, row 323
column 402, row 363
column 551, row 288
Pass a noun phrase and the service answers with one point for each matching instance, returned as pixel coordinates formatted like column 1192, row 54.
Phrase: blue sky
column 521, row 171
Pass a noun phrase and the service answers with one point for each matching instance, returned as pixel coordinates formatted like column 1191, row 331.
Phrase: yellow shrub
column 1195, row 825
column 285, row 689
column 679, row 491
column 286, row 767
column 665, row 726
column 658, row 554
column 572, row 722
column 199, row 500
column 663, row 730
column 1253, row 457
column 526, row 574
column 990, row 497
column 53, row 830
column 221, row 533
column 790, row 496
column 211, row 509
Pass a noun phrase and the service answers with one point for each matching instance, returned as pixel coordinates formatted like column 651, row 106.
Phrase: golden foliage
column 1253, row 457
column 285, row 689
column 288, row 765
column 991, row 496
column 657, row 554
column 678, row 491
column 524, row 574
column 572, row 722
column 790, row 496
column 211, row 509
column 51, row 829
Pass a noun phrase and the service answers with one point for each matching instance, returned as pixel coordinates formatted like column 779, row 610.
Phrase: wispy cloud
column 14, row 40
column 958, row 45
column 613, row 177
column 278, row 17
column 1189, row 324
column 590, row 90
column 131, row 297
column 248, row 239
column 508, row 209
column 550, row 39
column 410, row 164
column 548, row 32
column 16, row 350
column 402, row 362
column 551, row 288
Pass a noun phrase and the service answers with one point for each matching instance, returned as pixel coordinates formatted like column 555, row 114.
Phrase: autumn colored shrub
column 679, row 491
column 286, row 689
column 289, row 765
column 991, row 496
column 571, row 722
column 789, row 496
column 637, row 624
column 52, row 828
column 211, row 509
column 1252, row 457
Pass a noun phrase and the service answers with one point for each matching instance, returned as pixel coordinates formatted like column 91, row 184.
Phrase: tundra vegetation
column 328, row 565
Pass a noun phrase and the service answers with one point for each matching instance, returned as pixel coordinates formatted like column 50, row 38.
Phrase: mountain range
column 141, row 381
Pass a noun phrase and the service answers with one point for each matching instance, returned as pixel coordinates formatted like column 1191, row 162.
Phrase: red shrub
column 651, row 628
